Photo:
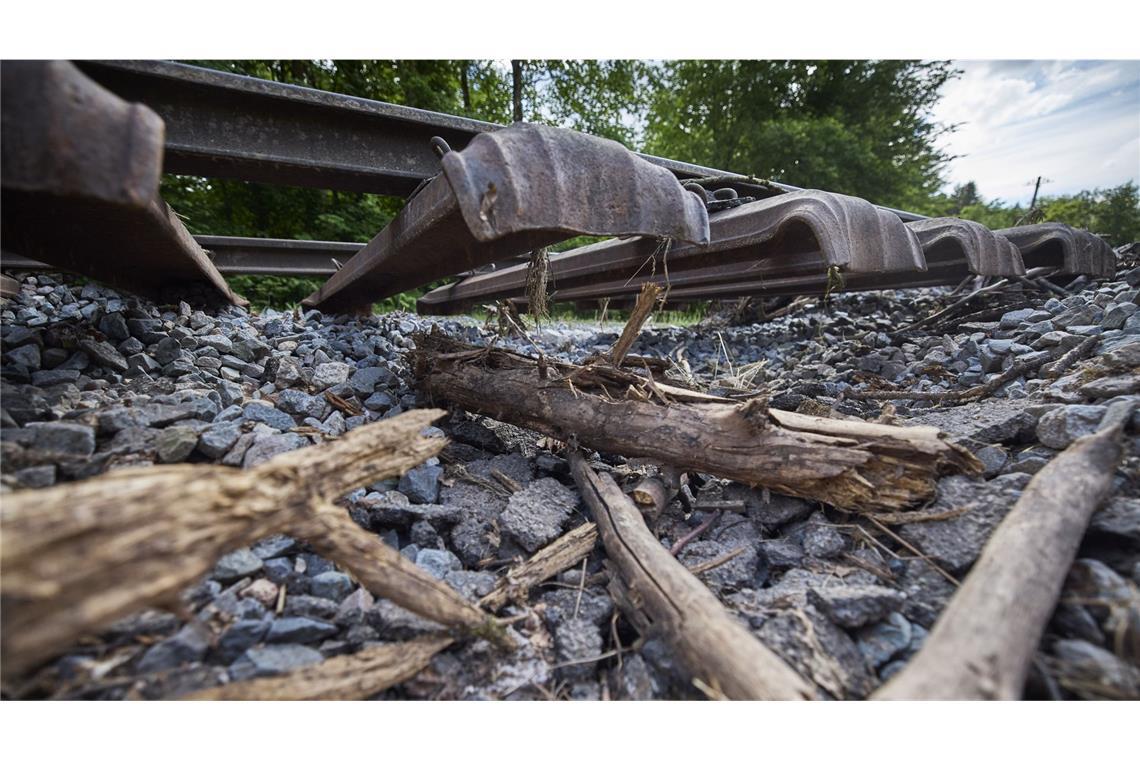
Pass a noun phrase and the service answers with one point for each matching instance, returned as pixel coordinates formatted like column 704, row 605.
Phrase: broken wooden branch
column 982, row 645
column 387, row 573
column 77, row 557
column 716, row 648
column 646, row 300
column 849, row 464
column 370, row 671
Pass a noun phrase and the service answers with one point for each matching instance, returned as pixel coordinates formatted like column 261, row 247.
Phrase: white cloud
column 1077, row 123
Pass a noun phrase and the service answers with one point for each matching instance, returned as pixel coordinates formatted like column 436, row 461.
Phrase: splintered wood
column 849, row 464
column 78, row 557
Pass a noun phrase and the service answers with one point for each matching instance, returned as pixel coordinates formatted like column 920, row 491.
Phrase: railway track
column 85, row 145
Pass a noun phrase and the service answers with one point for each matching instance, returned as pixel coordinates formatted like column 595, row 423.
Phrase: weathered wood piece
column 370, row 671
column 850, row 464
column 646, row 300
column 983, row 643
column 387, row 573
column 714, row 646
column 79, row 556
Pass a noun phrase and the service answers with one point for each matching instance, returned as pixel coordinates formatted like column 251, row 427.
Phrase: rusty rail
column 80, row 184
column 509, row 192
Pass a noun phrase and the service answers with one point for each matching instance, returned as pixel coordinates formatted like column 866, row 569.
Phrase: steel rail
column 239, row 127
column 508, row 192
column 79, row 187
column 245, row 255
column 804, row 228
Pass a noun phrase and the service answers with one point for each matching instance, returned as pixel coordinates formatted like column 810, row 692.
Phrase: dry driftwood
column 79, row 556
column 983, row 643
column 370, row 671
column 849, row 464
column 387, row 573
column 715, row 647
column 646, row 300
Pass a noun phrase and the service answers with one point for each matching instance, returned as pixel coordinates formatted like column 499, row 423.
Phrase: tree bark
column 668, row 598
column 77, row 557
column 982, row 645
column 516, row 90
column 850, row 464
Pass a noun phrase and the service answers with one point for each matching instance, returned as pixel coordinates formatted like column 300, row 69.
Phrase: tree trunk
column 849, row 464
column 516, row 90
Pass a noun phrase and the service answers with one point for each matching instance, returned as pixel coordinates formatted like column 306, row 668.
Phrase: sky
column 1076, row 123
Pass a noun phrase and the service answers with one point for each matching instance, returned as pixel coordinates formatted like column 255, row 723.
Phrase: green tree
column 857, row 127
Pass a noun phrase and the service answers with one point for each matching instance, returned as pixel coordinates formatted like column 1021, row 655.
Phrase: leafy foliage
column 856, row 127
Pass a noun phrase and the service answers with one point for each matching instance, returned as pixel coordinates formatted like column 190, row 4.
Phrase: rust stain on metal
column 80, row 183
column 1054, row 244
column 507, row 193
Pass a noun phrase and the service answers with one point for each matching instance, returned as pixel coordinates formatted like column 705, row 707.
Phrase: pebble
column 535, row 515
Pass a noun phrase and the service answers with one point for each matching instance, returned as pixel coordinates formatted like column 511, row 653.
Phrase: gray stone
column 275, row 546
column 855, row 606
column 27, row 356
column 1116, row 315
column 174, row 444
column 819, row 651
column 365, row 379
column 318, row 608
column 239, row 637
column 380, row 401
column 328, row 374
column 217, row 439
column 745, row 569
column 299, row 630
column 104, row 354
column 46, row 377
column 237, row 565
column 260, row 411
column 956, row 542
column 927, row 592
column 575, row 640
column 331, row 585
column 1093, row 672
column 299, row 403
column 1060, row 427
column 392, row 508
column 186, row 646
column 472, row 584
column 273, row 660
column 882, row 641
column 438, row 562
column 535, row 515
column 64, row 438
column 1110, row 387
column 994, row 458
column 421, row 484
column 638, row 681
column 36, row 477
column 564, row 604
column 782, row 554
column 822, row 541
column 266, row 447
column 777, row 510
column 353, row 608
column 1120, row 517
column 394, row 623
column 475, row 539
